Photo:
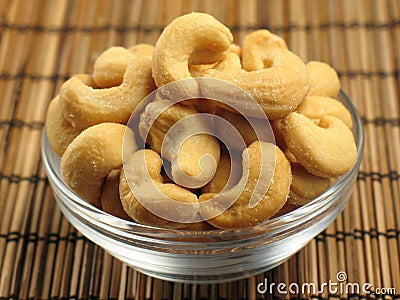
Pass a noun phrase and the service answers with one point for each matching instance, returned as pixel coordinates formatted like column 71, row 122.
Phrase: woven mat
column 42, row 43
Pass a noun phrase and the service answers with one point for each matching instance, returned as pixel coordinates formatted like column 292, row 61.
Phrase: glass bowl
column 205, row 256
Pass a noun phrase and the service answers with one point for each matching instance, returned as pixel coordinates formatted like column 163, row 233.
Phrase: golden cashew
column 325, row 150
column 233, row 48
column 278, row 89
column 110, row 200
column 110, row 66
column 306, row 186
column 257, row 158
column 92, row 155
column 142, row 49
column 142, row 176
column 256, row 45
column 227, row 174
column 202, row 40
column 242, row 125
column 187, row 165
column 84, row 106
column 324, row 80
column 59, row 131
column 314, row 107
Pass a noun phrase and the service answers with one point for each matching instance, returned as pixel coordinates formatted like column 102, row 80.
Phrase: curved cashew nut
column 324, row 80
column 227, row 174
column 256, row 45
column 325, row 150
column 257, row 158
column 84, row 106
column 110, row 200
column 142, row 176
column 203, row 40
column 109, row 68
column 278, row 89
column 306, row 186
column 314, row 107
column 92, row 155
column 59, row 131
column 158, row 118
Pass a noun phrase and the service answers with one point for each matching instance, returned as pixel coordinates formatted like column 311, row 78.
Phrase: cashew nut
column 59, row 131
column 141, row 176
column 183, row 150
column 92, row 155
column 324, row 80
column 325, row 150
column 202, row 40
column 258, row 165
column 279, row 88
column 227, row 174
column 84, row 106
column 110, row 200
column 306, row 186
column 314, row 107
column 142, row 49
column 255, row 47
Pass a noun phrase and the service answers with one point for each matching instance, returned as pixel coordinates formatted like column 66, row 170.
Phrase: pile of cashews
column 87, row 126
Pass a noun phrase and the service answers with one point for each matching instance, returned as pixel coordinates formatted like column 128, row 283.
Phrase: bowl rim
column 274, row 225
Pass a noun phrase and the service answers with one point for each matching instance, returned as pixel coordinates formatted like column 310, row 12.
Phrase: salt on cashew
column 92, row 155
column 278, row 88
column 110, row 200
column 59, row 131
column 141, row 175
column 324, row 80
column 187, row 165
column 203, row 40
column 257, row 159
column 84, row 106
column 325, row 150
column 306, row 186
column 314, row 107
column 256, row 45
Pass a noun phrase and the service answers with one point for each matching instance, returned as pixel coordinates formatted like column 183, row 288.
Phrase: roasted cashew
column 314, row 107
column 187, row 165
column 59, row 131
column 142, row 49
column 227, row 174
column 142, row 176
column 202, row 40
column 324, row 80
column 325, row 150
column 306, row 186
column 256, row 45
column 278, row 89
column 84, row 106
column 92, row 155
column 257, row 164
column 110, row 200
column 243, row 126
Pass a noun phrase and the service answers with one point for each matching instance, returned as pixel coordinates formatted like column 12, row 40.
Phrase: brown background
column 44, row 42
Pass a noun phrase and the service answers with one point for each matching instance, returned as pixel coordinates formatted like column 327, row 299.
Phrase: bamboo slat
column 44, row 42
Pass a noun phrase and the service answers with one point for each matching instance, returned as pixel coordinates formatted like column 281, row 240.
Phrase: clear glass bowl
column 205, row 256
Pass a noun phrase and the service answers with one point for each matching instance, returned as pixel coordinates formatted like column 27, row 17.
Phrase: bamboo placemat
column 42, row 43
